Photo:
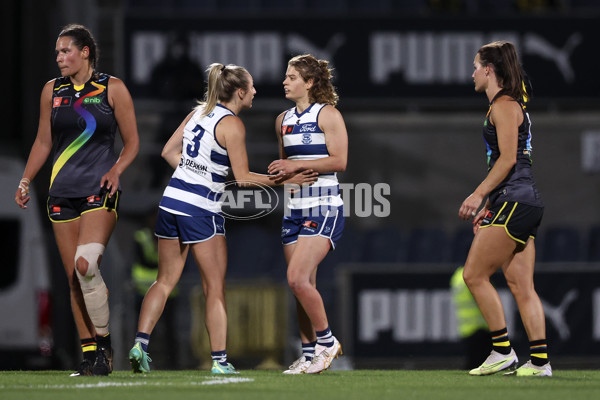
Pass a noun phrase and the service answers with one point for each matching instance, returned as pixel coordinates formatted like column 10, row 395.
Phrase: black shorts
column 519, row 220
column 64, row 209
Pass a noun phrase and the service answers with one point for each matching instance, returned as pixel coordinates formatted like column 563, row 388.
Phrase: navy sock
column 325, row 337
column 220, row 356
column 143, row 339
column 308, row 350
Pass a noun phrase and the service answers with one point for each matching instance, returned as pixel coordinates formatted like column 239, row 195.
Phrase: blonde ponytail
column 223, row 81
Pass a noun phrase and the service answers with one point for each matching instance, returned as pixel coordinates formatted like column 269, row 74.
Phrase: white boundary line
column 209, row 381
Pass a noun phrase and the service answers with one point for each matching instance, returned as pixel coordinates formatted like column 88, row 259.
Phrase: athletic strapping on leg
column 79, row 115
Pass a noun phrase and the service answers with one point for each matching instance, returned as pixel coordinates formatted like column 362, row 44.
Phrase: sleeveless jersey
column 304, row 140
column 518, row 185
column 83, row 131
column 197, row 185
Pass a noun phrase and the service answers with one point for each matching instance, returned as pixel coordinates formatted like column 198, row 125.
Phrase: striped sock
column 500, row 341
column 308, row 350
column 539, row 352
column 325, row 338
column 143, row 339
column 88, row 347
column 220, row 356
column 104, row 341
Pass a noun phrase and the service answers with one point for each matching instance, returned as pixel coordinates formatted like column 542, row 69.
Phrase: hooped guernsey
column 197, row 185
column 519, row 185
column 303, row 139
column 83, row 130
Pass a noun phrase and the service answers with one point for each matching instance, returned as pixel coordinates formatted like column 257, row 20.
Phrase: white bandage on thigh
column 95, row 293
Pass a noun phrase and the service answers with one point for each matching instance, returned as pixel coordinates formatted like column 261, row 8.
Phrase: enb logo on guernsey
column 92, row 100
column 245, row 203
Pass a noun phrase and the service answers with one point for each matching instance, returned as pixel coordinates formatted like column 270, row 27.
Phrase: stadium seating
column 256, row 251
column 426, row 245
column 560, row 244
column 593, row 244
column 383, row 245
column 460, row 244
column 348, row 249
column 253, row 251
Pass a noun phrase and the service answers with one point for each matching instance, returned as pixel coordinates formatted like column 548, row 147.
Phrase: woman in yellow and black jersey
column 79, row 115
column 506, row 225
column 518, row 186
column 81, row 119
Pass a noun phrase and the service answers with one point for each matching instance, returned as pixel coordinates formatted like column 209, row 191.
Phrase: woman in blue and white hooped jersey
column 208, row 144
column 312, row 135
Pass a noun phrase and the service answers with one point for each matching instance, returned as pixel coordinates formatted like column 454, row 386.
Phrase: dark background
column 421, row 138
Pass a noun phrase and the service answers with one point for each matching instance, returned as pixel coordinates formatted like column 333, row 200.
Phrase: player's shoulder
column 231, row 121
column 506, row 102
column 329, row 109
column 281, row 116
column 112, row 80
column 330, row 113
column 49, row 89
column 51, row 83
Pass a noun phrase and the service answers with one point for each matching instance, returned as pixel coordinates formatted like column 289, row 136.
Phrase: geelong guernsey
column 518, row 185
column 197, row 185
column 304, row 140
column 83, row 132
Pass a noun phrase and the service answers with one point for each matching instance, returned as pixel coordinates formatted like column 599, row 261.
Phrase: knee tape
column 95, row 293
column 90, row 252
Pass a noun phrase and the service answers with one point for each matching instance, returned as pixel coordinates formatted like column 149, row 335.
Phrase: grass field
column 250, row 384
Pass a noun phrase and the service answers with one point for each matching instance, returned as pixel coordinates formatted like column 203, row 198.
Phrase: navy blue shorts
column 188, row 229
column 328, row 224
column 65, row 209
column 519, row 220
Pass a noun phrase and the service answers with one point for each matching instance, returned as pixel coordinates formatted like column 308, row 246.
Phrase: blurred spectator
column 177, row 76
column 472, row 328
column 177, row 80
column 143, row 274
